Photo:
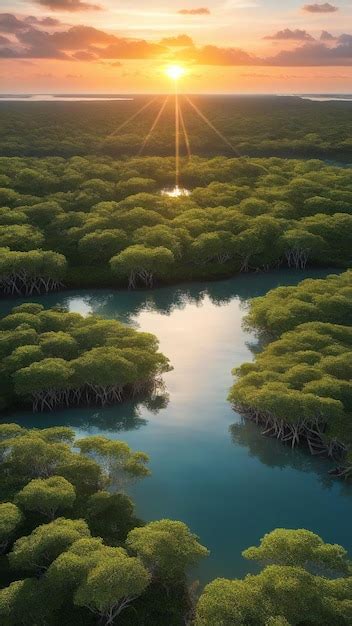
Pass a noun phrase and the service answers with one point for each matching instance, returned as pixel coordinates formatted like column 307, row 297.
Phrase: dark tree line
column 255, row 126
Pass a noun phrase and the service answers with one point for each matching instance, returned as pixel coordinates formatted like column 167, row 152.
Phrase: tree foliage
column 35, row 552
column 293, row 588
column 119, row 463
column 298, row 387
column 300, row 548
column 99, row 564
column 313, row 300
column 79, row 568
column 55, row 358
column 10, row 518
column 112, row 584
column 167, row 548
column 47, row 495
column 243, row 214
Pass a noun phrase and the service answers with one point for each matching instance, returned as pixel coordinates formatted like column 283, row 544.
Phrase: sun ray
column 185, row 133
column 153, row 126
column 209, row 123
column 130, row 119
column 177, row 138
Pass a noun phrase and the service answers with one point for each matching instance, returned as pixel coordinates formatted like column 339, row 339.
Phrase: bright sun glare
column 175, row 71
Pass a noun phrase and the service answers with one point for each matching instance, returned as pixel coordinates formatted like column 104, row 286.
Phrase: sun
column 175, row 71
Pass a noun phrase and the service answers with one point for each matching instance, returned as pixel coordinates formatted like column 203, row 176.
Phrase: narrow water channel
column 209, row 469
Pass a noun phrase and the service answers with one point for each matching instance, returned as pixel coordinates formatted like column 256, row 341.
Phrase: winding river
column 209, row 469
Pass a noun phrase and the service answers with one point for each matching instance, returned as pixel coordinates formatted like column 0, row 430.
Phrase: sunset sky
column 120, row 46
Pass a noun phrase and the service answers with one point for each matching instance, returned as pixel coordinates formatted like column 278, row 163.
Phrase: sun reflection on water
column 175, row 192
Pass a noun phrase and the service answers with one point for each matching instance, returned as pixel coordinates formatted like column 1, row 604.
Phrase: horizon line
column 164, row 93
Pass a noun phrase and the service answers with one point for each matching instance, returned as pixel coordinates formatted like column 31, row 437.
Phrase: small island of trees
column 54, row 358
column 299, row 387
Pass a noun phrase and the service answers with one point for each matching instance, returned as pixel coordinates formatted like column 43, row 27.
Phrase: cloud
column 345, row 39
column 41, row 21
column 313, row 55
column 294, row 76
column 75, row 37
column 200, row 11
column 179, row 40
column 320, row 8
column 290, row 35
column 213, row 55
column 326, row 36
column 84, row 55
column 68, row 5
column 78, row 40
column 75, row 43
column 28, row 38
column 129, row 49
column 9, row 53
column 110, row 63
column 11, row 24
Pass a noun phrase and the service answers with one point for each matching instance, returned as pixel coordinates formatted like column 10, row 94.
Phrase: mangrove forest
column 299, row 386
column 53, row 358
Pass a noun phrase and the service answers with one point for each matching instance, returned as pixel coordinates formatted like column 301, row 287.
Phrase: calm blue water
column 229, row 484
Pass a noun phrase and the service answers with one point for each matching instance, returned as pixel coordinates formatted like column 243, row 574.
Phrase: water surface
column 209, row 469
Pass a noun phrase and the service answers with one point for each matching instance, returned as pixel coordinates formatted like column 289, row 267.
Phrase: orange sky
column 232, row 46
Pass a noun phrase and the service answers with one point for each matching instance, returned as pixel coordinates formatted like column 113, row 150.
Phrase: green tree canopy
column 53, row 358
column 35, row 552
column 112, row 584
column 120, row 464
column 47, row 496
column 143, row 263
column 10, row 518
column 111, row 516
column 301, row 548
column 167, row 547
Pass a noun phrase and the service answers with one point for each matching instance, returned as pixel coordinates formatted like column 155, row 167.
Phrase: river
column 209, row 469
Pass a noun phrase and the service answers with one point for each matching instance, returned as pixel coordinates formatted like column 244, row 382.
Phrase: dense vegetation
column 299, row 386
column 294, row 587
column 78, row 208
column 94, row 220
column 283, row 308
column 256, row 126
column 73, row 551
column 53, row 358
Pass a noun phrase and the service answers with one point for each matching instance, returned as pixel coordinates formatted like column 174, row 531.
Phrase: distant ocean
column 326, row 98
column 106, row 97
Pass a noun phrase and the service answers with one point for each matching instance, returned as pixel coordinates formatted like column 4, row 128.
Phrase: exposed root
column 21, row 283
column 297, row 257
column 140, row 276
column 310, row 434
column 90, row 395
